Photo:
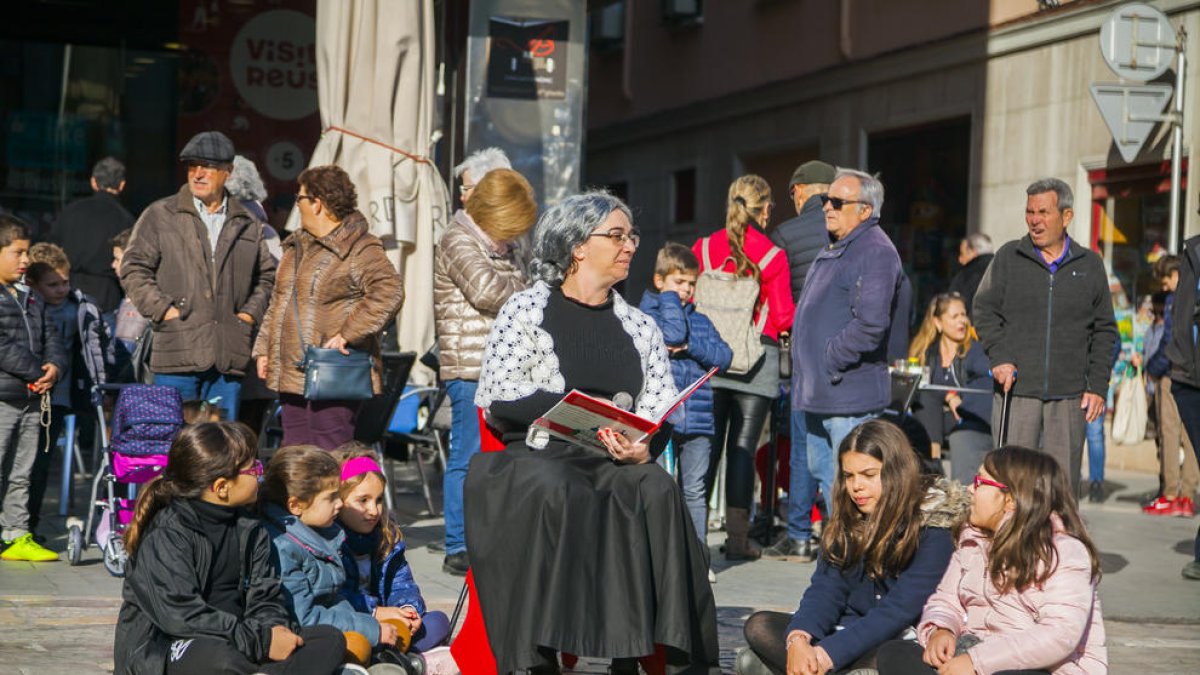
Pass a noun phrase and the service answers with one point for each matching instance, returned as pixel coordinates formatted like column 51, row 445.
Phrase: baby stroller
column 144, row 423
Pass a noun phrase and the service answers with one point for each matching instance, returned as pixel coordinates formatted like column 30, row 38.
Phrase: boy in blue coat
column 695, row 347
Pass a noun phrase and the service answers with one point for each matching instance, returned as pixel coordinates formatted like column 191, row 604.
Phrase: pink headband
column 359, row 466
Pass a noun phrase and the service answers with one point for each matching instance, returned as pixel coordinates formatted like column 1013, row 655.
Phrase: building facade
column 958, row 106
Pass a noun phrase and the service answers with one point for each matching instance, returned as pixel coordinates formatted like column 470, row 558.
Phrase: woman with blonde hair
column 476, row 270
column 741, row 402
column 946, row 344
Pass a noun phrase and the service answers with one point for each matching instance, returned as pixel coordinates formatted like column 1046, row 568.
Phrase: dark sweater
column 219, row 525
column 802, row 238
column 1057, row 329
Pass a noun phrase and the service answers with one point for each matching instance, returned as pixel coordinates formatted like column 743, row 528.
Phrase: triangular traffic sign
column 1131, row 112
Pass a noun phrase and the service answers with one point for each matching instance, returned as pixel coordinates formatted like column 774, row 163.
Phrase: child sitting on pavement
column 379, row 580
column 201, row 594
column 32, row 359
column 695, row 347
column 1020, row 592
column 300, row 506
column 88, row 344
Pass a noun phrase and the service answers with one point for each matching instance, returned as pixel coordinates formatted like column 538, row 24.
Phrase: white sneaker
column 351, row 669
column 712, row 576
column 440, row 661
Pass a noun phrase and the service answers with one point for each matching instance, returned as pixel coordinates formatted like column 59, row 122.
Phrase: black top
column 219, row 525
column 85, row 229
column 595, row 356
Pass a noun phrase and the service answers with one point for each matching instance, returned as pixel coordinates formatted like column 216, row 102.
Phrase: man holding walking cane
column 1044, row 310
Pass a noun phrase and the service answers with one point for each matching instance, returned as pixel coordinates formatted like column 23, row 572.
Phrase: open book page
column 577, row 418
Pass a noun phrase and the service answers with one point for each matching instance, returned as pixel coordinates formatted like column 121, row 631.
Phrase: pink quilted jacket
column 1057, row 627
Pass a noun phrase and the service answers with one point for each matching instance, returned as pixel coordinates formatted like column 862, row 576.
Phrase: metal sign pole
column 1177, row 143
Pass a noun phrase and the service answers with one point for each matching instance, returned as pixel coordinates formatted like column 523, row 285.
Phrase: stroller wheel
column 75, row 545
column 115, row 557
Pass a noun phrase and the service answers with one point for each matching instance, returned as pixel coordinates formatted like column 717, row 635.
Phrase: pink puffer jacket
column 1057, row 627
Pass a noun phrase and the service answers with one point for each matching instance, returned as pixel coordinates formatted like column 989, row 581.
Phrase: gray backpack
column 728, row 300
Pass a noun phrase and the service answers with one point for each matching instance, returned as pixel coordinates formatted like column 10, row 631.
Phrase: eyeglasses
column 619, row 237
column 837, row 202
column 980, row 480
column 464, row 188
column 256, row 469
column 301, row 198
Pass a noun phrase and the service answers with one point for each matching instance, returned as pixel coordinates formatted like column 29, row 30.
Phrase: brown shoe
column 738, row 545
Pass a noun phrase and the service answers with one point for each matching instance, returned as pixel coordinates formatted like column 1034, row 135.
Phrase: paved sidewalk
column 55, row 618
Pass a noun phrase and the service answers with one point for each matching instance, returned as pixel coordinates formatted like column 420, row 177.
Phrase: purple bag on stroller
column 145, row 420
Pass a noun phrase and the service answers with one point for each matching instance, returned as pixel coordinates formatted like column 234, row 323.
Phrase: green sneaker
column 25, row 548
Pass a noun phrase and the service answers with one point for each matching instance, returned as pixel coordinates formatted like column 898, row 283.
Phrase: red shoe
column 1160, row 507
column 1183, row 507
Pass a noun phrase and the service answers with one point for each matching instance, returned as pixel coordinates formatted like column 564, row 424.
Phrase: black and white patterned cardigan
column 519, row 358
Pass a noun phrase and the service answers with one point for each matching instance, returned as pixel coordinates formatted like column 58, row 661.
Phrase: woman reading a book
column 583, row 548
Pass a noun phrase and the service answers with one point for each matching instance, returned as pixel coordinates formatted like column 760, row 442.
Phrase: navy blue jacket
column 842, row 325
column 682, row 325
column 392, row 583
column 972, row 371
column 28, row 339
column 870, row 612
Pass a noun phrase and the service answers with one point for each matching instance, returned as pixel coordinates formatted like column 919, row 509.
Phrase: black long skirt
column 573, row 552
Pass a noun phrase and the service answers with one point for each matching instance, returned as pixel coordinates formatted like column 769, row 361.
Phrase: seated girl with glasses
column 886, row 546
column 1020, row 593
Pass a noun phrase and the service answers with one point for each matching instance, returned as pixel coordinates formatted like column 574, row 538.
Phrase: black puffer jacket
column 802, row 238
column 1058, row 329
column 28, row 339
column 1182, row 348
column 164, row 600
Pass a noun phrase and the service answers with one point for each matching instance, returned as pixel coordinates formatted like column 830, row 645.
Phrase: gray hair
column 244, row 183
column 109, row 173
column 1066, row 198
column 566, row 225
column 980, row 243
column 870, row 190
column 480, row 162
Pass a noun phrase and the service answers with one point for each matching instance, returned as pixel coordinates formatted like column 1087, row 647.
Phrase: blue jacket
column 682, row 325
column 842, row 324
column 870, row 612
column 392, row 583
column 310, row 567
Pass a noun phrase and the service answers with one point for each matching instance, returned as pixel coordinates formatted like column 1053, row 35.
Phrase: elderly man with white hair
column 842, row 323
column 476, row 166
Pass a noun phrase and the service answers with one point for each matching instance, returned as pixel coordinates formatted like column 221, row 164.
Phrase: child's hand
column 959, row 665
column 411, row 617
column 283, row 643
column 387, row 634
column 940, row 648
column 47, row 380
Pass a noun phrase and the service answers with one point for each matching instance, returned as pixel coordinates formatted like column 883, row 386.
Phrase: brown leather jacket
column 348, row 287
column 170, row 263
column 472, row 280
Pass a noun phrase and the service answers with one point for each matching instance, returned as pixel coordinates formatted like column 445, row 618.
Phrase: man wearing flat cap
column 198, row 268
column 801, row 238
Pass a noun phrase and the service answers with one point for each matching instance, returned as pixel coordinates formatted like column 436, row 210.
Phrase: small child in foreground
column 379, row 580
column 201, row 594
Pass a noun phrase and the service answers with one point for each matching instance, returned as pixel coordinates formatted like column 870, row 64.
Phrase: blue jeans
column 464, row 444
column 825, row 434
column 692, row 452
column 205, row 387
column 802, row 484
column 1095, row 449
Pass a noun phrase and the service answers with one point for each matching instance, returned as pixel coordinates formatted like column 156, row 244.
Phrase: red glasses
column 256, row 469
column 980, row 480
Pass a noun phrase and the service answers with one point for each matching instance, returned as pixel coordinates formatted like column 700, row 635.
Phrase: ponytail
column 748, row 195
column 155, row 495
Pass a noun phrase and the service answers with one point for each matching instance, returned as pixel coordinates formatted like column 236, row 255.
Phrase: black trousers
column 324, row 650
column 1187, row 398
column 903, row 657
column 739, row 419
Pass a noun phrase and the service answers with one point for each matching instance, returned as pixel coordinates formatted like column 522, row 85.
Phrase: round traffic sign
column 1137, row 42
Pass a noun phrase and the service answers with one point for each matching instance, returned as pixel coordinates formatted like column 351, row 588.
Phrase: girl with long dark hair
column 884, row 550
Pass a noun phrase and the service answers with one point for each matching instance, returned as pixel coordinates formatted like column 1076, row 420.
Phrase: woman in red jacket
column 741, row 402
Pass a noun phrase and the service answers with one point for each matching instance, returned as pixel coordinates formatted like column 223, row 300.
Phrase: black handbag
column 330, row 375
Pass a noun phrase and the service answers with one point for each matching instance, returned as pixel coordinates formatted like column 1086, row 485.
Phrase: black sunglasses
column 838, row 202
